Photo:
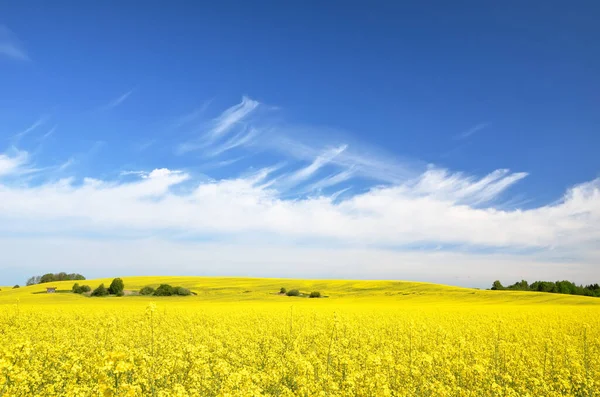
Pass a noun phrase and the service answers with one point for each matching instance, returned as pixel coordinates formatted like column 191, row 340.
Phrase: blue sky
column 444, row 142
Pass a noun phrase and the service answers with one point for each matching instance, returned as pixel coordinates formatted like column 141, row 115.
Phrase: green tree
column 293, row 292
column 181, row 291
column 164, row 290
column 497, row 285
column 47, row 278
column 62, row 276
column 315, row 294
column 116, row 287
column 100, row 291
column 147, row 291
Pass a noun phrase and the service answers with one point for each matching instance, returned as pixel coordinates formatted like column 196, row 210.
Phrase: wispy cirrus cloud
column 251, row 126
column 36, row 124
column 10, row 45
column 473, row 130
column 319, row 162
column 217, row 129
column 117, row 101
column 194, row 115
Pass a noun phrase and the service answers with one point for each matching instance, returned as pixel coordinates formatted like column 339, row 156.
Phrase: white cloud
column 231, row 117
column 319, row 162
column 10, row 46
column 331, row 180
column 244, row 127
column 220, row 127
column 12, row 164
column 435, row 208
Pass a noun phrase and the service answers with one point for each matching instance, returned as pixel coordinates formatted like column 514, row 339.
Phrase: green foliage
column 167, row 290
column 293, row 292
column 52, row 277
column 497, row 285
column 181, row 291
column 147, row 291
column 315, row 294
column 282, row 290
column 116, row 287
column 519, row 286
column 558, row 287
column 100, row 291
column 164, row 290
column 16, row 286
column 80, row 289
column 47, row 278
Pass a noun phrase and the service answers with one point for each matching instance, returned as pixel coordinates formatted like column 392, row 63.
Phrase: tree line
column 557, row 287
column 52, row 277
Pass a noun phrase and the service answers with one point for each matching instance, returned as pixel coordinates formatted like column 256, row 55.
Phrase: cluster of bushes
column 165, row 290
column 80, row 289
column 52, row 277
column 295, row 292
column 117, row 287
column 558, row 287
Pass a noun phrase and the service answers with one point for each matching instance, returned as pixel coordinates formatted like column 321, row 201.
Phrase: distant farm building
column 51, row 290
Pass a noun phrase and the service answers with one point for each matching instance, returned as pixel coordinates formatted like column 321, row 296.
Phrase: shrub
column 116, row 287
column 293, row 292
column 16, row 286
column 315, row 294
column 80, row 289
column 181, row 291
column 164, row 290
column 282, row 290
column 100, row 291
column 147, row 291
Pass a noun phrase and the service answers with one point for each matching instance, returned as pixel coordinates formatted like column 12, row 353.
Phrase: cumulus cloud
column 437, row 207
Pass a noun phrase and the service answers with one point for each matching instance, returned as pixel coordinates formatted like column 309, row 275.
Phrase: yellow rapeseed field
column 238, row 337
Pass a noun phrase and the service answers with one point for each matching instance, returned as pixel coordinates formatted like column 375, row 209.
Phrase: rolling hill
column 236, row 289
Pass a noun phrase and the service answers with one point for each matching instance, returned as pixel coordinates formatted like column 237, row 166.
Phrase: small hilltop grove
column 116, row 287
column 556, row 287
